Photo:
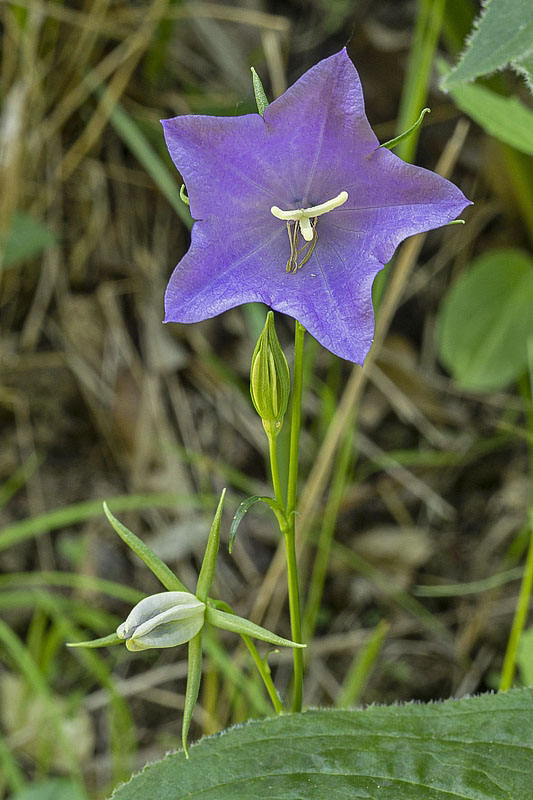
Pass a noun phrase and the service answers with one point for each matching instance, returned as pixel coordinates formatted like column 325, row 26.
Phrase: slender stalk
column 290, row 533
column 264, row 671
column 299, row 334
column 526, row 588
column 274, row 466
column 522, row 608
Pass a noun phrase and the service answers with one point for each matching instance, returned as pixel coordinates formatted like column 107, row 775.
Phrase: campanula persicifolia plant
column 298, row 207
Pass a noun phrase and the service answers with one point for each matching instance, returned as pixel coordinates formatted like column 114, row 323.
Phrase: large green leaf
column 502, row 36
column 478, row 748
column 506, row 118
column 486, row 319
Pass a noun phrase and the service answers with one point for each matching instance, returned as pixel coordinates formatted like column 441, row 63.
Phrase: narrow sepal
column 209, row 563
column 243, row 508
column 183, row 195
column 397, row 139
column 158, row 567
column 105, row 641
column 194, row 677
column 260, row 95
column 231, row 622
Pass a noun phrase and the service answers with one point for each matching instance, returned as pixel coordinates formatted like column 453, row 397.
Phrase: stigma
column 304, row 215
column 305, row 221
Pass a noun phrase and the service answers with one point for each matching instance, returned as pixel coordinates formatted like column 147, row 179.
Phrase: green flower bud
column 162, row 620
column 270, row 378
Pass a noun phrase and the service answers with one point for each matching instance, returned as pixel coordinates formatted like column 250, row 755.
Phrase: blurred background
column 415, row 487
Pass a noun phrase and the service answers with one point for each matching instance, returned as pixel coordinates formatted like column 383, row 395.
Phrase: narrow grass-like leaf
column 416, row 83
column 74, row 581
column 231, row 622
column 153, row 562
column 209, row 563
column 79, row 512
column 243, row 508
column 479, row 748
column 133, row 137
column 359, row 672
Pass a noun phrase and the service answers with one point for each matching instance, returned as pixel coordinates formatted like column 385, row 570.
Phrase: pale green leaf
column 52, row 789
column 502, row 36
column 506, row 118
column 478, row 748
column 486, row 319
column 27, row 238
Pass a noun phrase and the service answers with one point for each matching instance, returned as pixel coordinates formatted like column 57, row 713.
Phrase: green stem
column 290, row 533
column 264, row 671
column 274, row 466
column 526, row 588
column 299, row 334
column 519, row 620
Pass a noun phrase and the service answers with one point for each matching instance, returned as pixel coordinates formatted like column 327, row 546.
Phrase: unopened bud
column 162, row 620
column 270, row 377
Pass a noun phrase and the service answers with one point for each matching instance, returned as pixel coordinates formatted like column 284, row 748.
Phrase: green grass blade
column 416, row 83
column 80, row 512
column 359, row 672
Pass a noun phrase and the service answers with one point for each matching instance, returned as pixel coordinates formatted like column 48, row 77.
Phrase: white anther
column 305, row 214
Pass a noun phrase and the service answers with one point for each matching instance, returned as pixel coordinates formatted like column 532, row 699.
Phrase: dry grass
column 99, row 399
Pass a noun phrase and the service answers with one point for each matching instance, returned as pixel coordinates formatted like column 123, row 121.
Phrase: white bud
column 162, row 620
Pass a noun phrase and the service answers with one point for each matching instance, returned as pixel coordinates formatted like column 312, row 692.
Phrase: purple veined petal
column 396, row 200
column 313, row 143
column 330, row 295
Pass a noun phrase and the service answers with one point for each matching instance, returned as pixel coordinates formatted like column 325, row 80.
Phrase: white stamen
column 305, row 214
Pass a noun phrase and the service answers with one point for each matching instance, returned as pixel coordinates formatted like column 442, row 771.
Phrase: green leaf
column 486, row 319
column 261, row 99
column 479, row 748
column 27, row 238
column 243, row 508
column 506, row 118
column 502, row 36
column 52, row 789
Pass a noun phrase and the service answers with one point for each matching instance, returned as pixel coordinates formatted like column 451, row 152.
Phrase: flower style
column 298, row 209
